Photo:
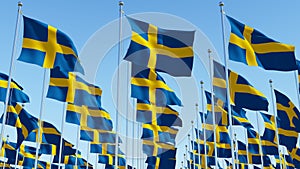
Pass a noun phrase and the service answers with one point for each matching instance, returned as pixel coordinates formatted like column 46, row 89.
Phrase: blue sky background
column 85, row 20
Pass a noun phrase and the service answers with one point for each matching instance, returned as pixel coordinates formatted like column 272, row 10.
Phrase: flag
column 239, row 117
column 253, row 141
column 97, row 136
column 94, row 118
column 169, row 51
column 151, row 114
column 165, row 160
column 287, row 112
column 242, row 152
column 46, row 165
column 48, row 47
column 109, row 159
column 103, row 148
column 222, row 134
column 151, row 148
column 157, row 133
column 241, row 91
column 269, row 138
column 149, row 85
column 288, row 138
column 16, row 91
column 9, row 151
column 69, row 87
column 221, row 116
column 22, row 120
column 253, row 48
column 295, row 154
column 49, row 149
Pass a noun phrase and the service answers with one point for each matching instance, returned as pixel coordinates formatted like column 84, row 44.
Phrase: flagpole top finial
column 221, row 3
column 185, row 146
column 201, row 82
column 189, row 135
column 20, row 3
column 209, row 51
column 196, row 104
column 121, row 3
column 270, row 81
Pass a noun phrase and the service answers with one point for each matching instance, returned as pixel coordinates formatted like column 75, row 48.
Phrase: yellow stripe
column 219, row 82
column 272, row 47
column 150, row 83
column 4, row 84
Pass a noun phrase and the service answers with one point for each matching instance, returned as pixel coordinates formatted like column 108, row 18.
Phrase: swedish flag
column 22, row 120
column 222, row 134
column 47, row 149
column 169, row 51
column 149, row 85
column 94, row 118
column 68, row 87
column 151, row 114
column 109, row 159
column 287, row 112
column 239, row 117
column 46, row 165
column 9, row 151
column 241, row 91
column 151, row 148
column 165, row 160
column 269, row 138
column 242, row 152
column 16, row 91
column 103, row 148
column 97, row 136
column 253, row 141
column 159, row 133
column 221, row 116
column 253, row 48
column 46, row 46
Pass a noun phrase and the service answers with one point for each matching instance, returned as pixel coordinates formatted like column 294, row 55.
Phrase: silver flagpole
column 10, row 71
column 204, row 128
column 260, row 146
column 197, row 134
column 77, row 145
column 221, row 4
column 237, row 151
column 88, row 155
column 187, row 152
column 127, row 115
column 211, row 68
column 121, row 3
column 189, row 144
column 63, row 119
column 133, row 131
column 246, row 141
column 38, row 141
column 275, row 119
column 297, row 86
column 194, row 157
column 185, row 159
column 96, row 164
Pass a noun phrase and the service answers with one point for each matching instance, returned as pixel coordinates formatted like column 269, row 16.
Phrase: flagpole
column 20, row 4
column 96, row 164
column 260, row 144
column 237, row 150
column 121, row 3
column 275, row 119
column 127, row 115
column 40, row 117
column 88, row 155
column 77, row 145
column 63, row 119
column 204, row 128
column 192, row 145
column 211, row 68
column 221, row 4
column 197, row 133
column 246, row 140
column 133, row 131
column 185, row 159
column 186, row 150
column 297, row 86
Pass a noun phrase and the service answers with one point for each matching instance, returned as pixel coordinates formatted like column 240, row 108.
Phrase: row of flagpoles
column 152, row 50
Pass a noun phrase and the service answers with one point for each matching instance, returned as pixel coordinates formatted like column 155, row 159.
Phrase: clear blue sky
column 82, row 19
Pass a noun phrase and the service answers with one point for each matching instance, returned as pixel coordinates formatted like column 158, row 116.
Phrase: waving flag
column 16, row 91
column 68, row 87
column 159, row 133
column 156, row 115
column 149, row 85
column 169, row 51
column 46, row 46
column 253, row 48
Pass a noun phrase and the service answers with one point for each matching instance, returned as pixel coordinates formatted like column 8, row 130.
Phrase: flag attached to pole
column 16, row 91
column 46, row 46
column 253, row 48
column 169, row 51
